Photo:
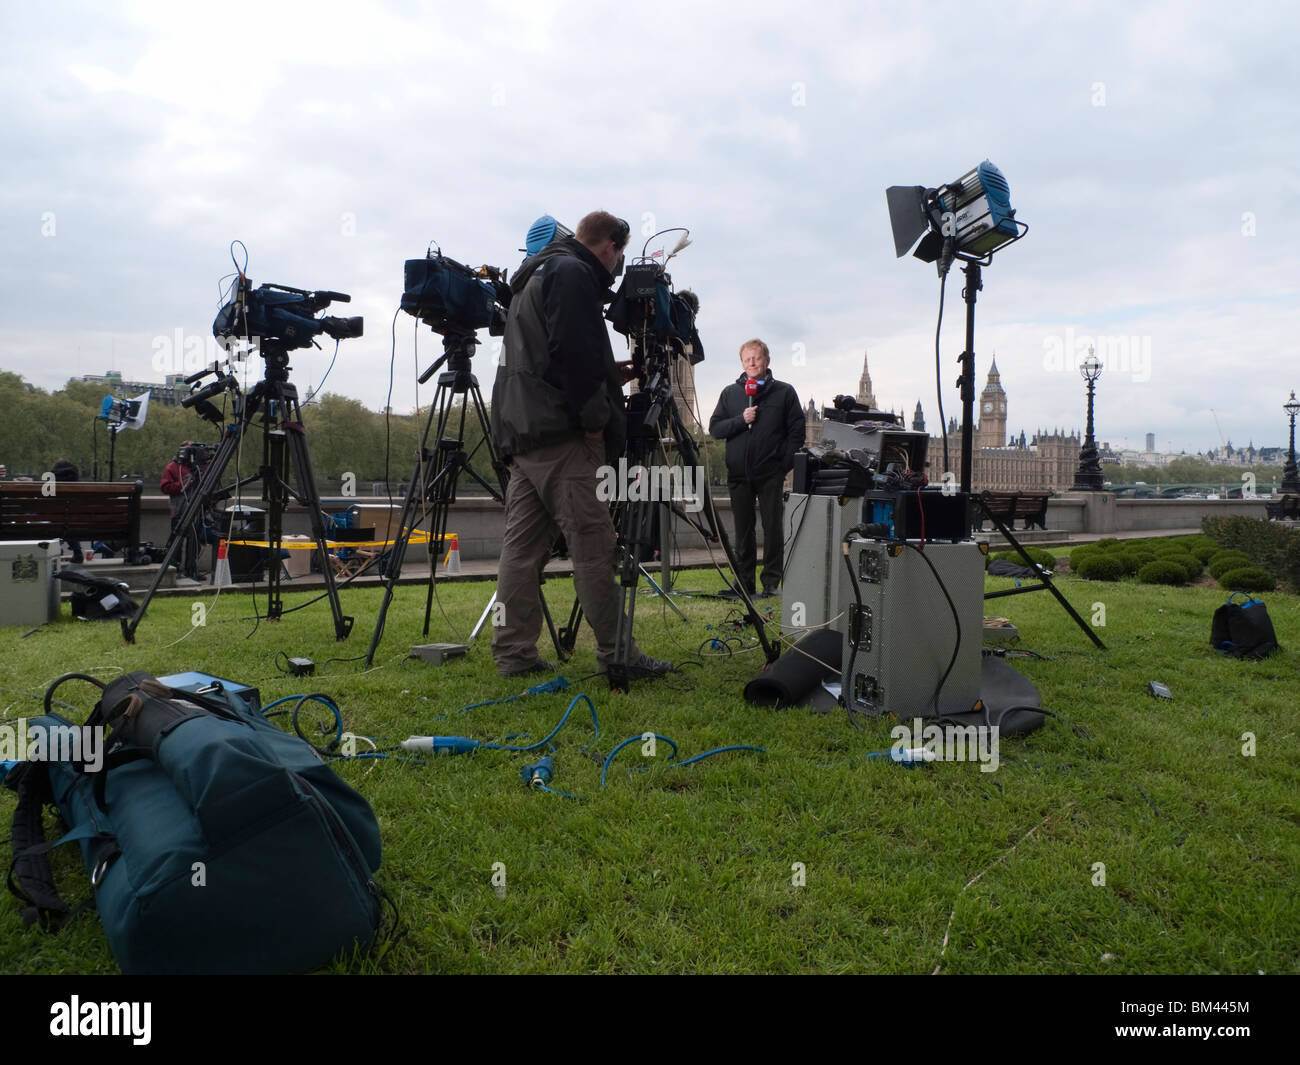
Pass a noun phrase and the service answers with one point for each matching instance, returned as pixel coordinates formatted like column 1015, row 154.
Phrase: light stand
column 968, row 220
column 1089, row 477
column 1290, row 473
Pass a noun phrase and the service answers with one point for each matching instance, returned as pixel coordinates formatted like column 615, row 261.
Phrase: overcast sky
column 1151, row 148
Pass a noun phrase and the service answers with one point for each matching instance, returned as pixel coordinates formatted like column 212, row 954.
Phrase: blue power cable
column 673, row 764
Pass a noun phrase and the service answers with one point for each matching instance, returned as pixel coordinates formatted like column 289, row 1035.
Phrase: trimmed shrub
column 1248, row 579
column 1206, row 550
column 1228, row 560
column 1162, row 571
column 1079, row 557
column 1190, row 565
column 1101, row 568
column 1130, row 560
column 1267, row 544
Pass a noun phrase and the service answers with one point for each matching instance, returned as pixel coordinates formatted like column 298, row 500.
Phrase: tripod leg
column 567, row 637
column 208, row 484
column 661, row 592
column 691, row 455
column 275, row 483
column 397, row 553
column 443, row 489
column 310, row 498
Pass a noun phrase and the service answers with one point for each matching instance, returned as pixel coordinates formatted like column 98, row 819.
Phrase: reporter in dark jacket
column 763, row 430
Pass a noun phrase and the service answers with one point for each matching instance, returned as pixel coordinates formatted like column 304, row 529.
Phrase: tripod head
column 457, row 354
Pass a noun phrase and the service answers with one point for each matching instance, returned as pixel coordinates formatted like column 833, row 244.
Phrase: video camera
column 277, row 316
column 195, row 455
column 452, row 298
column 647, row 312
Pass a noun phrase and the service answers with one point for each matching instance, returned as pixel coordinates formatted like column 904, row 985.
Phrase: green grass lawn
column 690, row 869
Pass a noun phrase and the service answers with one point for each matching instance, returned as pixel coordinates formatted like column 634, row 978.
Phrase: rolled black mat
column 799, row 672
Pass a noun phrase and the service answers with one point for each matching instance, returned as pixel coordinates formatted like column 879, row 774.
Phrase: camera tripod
column 432, row 488
column 653, row 415
column 273, row 402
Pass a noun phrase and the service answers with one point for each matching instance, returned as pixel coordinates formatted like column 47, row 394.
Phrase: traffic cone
column 221, row 575
column 452, row 564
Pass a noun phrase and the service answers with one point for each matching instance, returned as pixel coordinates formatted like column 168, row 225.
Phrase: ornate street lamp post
column 1089, row 477
column 1290, row 475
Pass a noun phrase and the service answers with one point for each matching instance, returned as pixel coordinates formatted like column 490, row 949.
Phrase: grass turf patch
column 694, row 869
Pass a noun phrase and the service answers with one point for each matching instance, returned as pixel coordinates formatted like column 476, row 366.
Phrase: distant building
column 169, row 393
column 1048, row 461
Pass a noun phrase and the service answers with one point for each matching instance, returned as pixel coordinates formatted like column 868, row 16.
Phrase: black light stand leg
column 1039, row 575
column 974, row 282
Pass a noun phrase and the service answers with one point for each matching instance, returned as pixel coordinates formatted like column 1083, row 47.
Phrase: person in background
column 763, row 424
column 64, row 470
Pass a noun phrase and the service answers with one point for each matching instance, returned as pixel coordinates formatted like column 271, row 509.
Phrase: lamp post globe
column 1088, row 478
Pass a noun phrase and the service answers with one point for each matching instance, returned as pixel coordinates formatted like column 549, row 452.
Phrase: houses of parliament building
column 1047, row 461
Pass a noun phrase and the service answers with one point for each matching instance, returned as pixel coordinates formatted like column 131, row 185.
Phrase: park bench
column 1008, row 506
column 74, row 510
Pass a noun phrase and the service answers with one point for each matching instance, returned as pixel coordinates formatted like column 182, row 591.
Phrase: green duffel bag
column 214, row 842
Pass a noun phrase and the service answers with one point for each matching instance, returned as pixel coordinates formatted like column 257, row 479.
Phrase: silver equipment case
column 898, row 644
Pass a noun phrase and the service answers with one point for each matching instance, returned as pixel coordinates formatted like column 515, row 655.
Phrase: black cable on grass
column 49, row 692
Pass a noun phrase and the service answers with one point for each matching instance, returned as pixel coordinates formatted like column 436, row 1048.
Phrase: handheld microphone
column 751, row 390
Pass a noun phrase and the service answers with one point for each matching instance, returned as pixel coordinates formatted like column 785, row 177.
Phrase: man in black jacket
column 557, row 412
column 763, row 424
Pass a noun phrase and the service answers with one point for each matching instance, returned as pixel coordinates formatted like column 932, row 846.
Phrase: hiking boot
column 645, row 666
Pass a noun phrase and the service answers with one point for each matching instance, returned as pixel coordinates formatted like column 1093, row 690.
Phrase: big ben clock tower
column 993, row 411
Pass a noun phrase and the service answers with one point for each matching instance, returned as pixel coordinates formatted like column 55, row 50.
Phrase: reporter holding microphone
column 762, row 422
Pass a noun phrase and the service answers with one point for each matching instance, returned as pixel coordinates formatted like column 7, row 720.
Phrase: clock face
column 988, row 407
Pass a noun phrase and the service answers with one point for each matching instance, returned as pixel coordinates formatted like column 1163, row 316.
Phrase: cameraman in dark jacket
column 557, row 413
column 763, row 424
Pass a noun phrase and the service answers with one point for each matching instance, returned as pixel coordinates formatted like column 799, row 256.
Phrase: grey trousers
column 553, row 490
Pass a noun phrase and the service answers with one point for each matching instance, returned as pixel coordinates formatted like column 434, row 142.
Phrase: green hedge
column 1101, row 568
column 1227, row 560
column 1162, row 571
column 1274, row 547
column 1248, row 579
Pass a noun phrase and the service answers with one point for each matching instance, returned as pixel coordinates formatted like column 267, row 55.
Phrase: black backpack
column 1243, row 630
column 96, row 598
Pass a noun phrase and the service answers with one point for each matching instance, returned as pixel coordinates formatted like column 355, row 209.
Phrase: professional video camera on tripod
column 455, row 301
column 271, row 320
column 660, row 328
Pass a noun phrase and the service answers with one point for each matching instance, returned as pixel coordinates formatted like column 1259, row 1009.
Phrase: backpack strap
column 30, row 878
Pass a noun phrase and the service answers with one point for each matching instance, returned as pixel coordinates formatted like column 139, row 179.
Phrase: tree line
column 343, row 438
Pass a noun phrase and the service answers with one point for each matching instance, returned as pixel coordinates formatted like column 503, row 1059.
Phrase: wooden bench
column 76, row 510
column 1008, row 506
column 1284, row 508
